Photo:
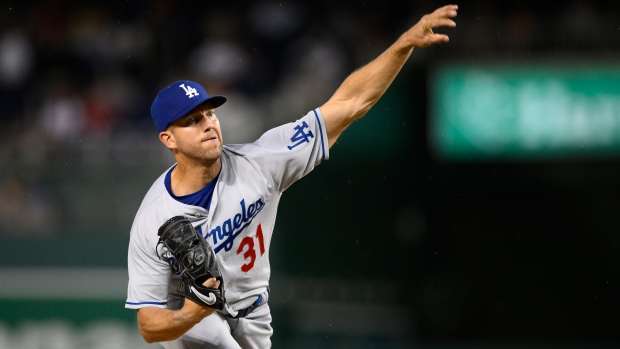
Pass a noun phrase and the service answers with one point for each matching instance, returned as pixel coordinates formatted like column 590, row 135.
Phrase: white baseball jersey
column 240, row 220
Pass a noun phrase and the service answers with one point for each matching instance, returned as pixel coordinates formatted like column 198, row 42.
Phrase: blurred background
column 475, row 206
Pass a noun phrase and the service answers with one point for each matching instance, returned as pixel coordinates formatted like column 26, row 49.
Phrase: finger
column 427, row 24
column 447, row 11
column 443, row 14
column 442, row 22
column 439, row 38
column 211, row 282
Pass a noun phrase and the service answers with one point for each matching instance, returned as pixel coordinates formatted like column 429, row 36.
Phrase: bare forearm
column 366, row 85
column 369, row 83
column 362, row 89
column 160, row 325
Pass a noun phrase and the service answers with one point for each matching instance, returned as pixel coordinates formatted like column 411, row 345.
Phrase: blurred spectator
column 220, row 60
column 272, row 26
column 102, row 44
column 16, row 58
column 63, row 114
column 277, row 21
column 101, row 112
column 309, row 79
column 222, row 64
column 27, row 208
column 111, row 102
column 16, row 64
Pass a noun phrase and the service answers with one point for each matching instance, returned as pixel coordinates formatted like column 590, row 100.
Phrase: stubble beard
column 210, row 156
column 198, row 155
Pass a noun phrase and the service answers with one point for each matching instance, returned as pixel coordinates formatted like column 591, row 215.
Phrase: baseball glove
column 196, row 259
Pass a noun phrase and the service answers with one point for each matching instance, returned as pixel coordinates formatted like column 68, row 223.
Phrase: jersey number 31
column 247, row 245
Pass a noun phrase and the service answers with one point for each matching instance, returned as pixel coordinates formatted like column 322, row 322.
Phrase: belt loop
column 258, row 302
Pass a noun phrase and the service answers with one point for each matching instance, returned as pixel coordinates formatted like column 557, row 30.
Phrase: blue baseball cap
column 177, row 100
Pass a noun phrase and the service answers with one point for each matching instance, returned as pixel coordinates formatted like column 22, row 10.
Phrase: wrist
column 193, row 312
column 403, row 46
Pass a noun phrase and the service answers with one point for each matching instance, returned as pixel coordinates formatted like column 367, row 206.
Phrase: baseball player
column 229, row 195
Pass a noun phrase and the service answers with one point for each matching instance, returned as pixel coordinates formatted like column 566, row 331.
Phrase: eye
column 191, row 121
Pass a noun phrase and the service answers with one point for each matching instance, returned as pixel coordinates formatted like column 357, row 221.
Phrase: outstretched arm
column 362, row 89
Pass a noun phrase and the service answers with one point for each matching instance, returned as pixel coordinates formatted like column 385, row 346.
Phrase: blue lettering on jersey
column 224, row 235
column 300, row 136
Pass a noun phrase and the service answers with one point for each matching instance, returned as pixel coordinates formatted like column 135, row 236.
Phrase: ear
column 168, row 139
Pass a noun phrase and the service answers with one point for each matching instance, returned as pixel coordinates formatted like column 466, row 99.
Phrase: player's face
column 197, row 135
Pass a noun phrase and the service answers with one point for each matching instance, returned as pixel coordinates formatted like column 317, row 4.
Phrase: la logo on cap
column 171, row 103
column 189, row 91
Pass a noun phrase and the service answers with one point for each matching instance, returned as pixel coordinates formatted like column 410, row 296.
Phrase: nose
column 208, row 122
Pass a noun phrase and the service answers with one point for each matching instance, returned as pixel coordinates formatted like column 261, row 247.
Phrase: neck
column 190, row 178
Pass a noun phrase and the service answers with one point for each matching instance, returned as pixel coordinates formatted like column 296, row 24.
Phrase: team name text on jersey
column 224, row 235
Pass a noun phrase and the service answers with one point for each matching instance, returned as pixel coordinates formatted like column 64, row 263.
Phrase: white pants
column 221, row 332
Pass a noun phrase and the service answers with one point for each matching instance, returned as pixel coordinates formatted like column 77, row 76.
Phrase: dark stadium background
column 385, row 245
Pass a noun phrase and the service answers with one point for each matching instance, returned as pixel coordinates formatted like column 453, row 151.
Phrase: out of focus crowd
column 71, row 72
column 77, row 78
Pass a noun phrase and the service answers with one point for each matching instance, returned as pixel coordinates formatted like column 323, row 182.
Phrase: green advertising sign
column 543, row 111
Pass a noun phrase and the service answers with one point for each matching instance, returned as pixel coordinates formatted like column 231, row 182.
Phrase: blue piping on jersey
column 321, row 132
column 140, row 303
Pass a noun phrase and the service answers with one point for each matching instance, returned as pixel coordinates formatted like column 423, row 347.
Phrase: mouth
column 209, row 139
